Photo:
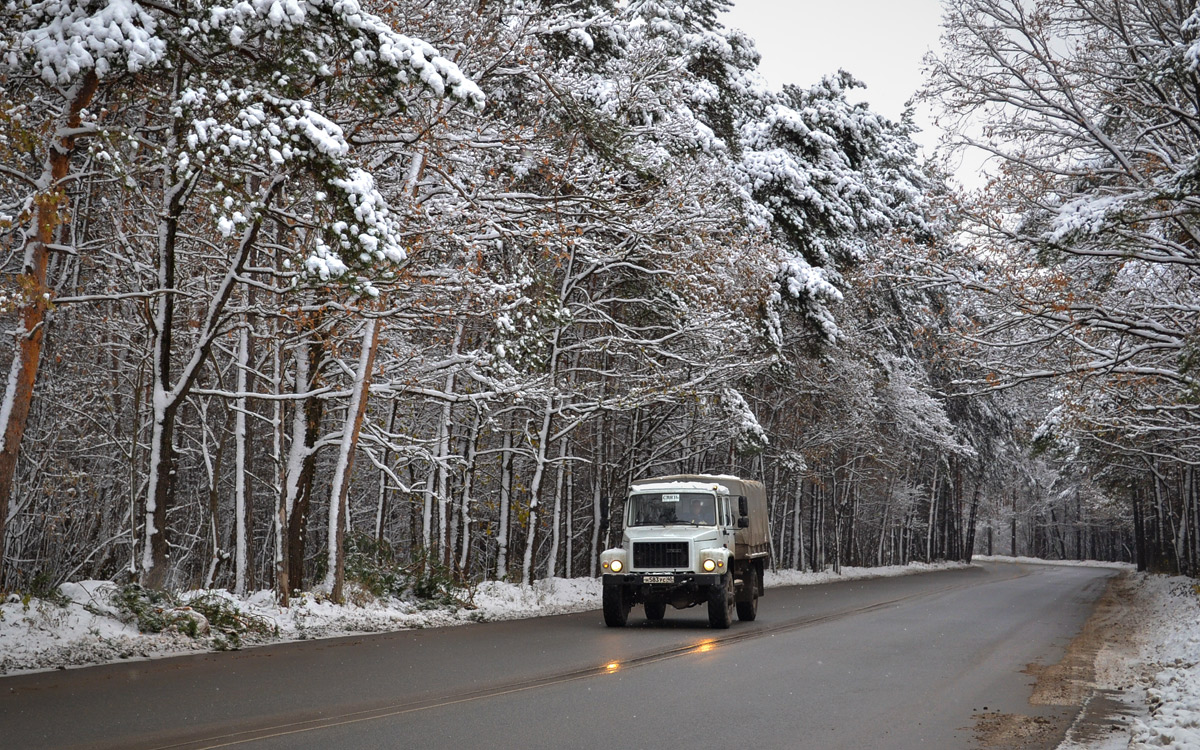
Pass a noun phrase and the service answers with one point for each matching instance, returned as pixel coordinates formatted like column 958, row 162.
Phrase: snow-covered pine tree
column 240, row 123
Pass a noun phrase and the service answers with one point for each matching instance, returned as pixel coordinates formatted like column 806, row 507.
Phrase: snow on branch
column 63, row 38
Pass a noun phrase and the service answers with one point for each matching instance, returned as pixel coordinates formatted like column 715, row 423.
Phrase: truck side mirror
column 744, row 522
column 743, row 509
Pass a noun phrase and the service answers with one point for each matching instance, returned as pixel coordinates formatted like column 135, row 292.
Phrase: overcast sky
column 880, row 42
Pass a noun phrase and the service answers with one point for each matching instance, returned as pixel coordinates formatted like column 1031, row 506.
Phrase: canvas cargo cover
column 751, row 541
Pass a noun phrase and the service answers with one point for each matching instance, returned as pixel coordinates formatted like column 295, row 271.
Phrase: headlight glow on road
column 612, row 666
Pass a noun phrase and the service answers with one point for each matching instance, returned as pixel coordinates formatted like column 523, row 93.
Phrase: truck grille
column 666, row 555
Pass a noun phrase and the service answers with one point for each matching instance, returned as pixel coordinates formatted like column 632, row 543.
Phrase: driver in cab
column 698, row 511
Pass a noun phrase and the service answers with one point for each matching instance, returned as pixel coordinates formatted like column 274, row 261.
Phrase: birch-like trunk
column 467, row 489
column 442, row 465
column 932, row 513
column 279, row 520
column 555, row 534
column 798, row 528
column 569, row 569
column 241, row 504
column 167, row 398
column 300, row 468
column 339, row 489
column 535, row 489
column 598, row 511
column 505, row 507
column 213, row 466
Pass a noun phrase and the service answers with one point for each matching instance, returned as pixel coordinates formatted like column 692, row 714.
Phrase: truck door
column 726, row 521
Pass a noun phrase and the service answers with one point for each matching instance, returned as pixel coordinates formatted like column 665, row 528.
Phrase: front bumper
column 676, row 579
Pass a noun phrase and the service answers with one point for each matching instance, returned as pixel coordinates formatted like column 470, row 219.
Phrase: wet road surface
column 925, row 661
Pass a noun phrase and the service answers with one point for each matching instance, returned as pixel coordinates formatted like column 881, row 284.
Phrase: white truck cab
column 687, row 541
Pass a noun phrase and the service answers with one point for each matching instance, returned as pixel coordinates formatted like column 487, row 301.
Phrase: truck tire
column 616, row 606
column 747, row 611
column 655, row 611
column 720, row 605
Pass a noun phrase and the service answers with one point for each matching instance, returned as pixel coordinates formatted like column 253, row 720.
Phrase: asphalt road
column 912, row 662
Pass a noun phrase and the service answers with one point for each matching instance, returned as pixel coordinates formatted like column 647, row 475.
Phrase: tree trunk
column 442, row 469
column 569, row 569
column 296, row 500
column 969, row 547
column 241, row 496
column 535, row 489
column 214, row 508
column 36, row 294
column 339, row 489
column 1013, row 526
column 556, row 533
column 933, row 494
column 467, row 489
column 798, row 528
column 502, row 522
column 160, row 491
column 599, row 512
column 1139, row 529
column 381, row 507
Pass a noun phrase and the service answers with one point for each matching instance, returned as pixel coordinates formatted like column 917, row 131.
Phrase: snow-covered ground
column 1159, row 670
column 84, row 627
column 1039, row 561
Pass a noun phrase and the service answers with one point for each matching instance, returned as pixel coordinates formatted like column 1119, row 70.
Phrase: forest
column 290, row 282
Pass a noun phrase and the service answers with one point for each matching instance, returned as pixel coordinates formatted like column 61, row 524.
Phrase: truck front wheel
column 720, row 604
column 616, row 606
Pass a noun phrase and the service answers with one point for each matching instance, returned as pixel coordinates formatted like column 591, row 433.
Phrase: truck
column 688, row 540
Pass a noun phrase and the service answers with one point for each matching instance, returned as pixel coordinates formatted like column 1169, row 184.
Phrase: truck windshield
column 672, row 508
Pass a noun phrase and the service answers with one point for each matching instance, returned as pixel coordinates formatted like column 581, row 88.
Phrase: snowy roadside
column 804, row 578
column 1039, row 561
column 1147, row 670
column 84, row 627
column 1158, row 668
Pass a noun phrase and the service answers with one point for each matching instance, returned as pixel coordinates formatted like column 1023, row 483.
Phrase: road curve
column 936, row 660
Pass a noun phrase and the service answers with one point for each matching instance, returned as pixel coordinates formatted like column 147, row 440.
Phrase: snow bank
column 80, row 630
column 1039, row 561
column 805, row 578
column 83, row 627
column 1170, row 660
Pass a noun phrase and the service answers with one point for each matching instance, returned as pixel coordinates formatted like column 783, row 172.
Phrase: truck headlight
column 714, row 559
column 613, row 560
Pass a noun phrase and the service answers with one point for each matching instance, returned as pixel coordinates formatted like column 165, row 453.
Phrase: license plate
column 659, row 579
